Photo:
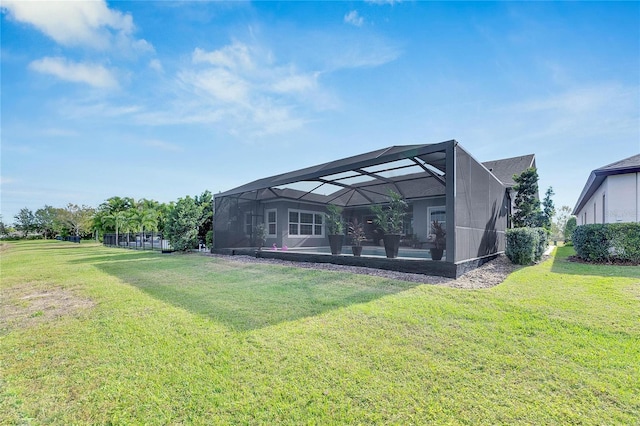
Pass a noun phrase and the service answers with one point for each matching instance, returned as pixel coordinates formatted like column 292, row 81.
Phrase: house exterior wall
column 421, row 223
column 481, row 210
column 616, row 200
column 282, row 225
column 232, row 220
column 624, row 202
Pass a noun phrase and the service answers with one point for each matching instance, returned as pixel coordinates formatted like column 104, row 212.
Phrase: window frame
column 268, row 223
column 314, row 225
column 430, row 210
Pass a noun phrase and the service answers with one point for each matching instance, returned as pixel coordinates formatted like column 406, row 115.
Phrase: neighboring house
column 439, row 181
column 611, row 194
column 505, row 170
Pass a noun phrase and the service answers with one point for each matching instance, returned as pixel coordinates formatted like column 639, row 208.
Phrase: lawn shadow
column 119, row 256
column 562, row 265
column 243, row 296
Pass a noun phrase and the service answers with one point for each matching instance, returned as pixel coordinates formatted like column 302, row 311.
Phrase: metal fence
column 137, row 241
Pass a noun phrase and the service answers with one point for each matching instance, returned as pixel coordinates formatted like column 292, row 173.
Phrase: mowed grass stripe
column 200, row 340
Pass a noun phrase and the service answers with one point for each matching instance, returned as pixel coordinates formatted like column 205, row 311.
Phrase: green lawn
column 92, row 335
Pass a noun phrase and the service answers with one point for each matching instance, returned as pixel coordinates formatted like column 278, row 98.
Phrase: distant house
column 611, row 194
column 506, row 169
column 440, row 181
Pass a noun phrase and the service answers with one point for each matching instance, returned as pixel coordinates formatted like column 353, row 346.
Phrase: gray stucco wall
column 282, row 216
column 421, row 223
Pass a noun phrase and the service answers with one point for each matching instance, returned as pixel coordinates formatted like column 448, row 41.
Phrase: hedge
column 609, row 242
column 526, row 245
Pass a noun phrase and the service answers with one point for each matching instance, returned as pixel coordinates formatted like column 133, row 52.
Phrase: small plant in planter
column 356, row 231
column 390, row 218
column 335, row 228
column 440, row 241
column 260, row 233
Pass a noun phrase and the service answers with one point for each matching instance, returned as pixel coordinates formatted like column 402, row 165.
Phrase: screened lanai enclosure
column 440, row 182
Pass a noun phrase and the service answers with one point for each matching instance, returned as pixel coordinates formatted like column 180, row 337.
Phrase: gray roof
column 414, row 171
column 506, row 168
column 628, row 164
column 370, row 165
column 597, row 176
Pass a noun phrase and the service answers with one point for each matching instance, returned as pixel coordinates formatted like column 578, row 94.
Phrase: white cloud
column 156, row 65
column 354, row 18
column 53, row 131
column 91, row 74
column 236, row 56
column 574, row 119
column 373, row 53
column 6, row 180
column 162, row 145
column 218, row 84
column 78, row 23
column 296, row 83
column 246, row 88
column 581, row 100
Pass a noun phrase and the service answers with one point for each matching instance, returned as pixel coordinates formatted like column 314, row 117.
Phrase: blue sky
column 167, row 99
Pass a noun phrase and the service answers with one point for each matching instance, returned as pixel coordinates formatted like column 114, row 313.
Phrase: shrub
column 626, row 241
column 543, row 242
column 522, row 245
column 591, row 242
column 608, row 242
column 569, row 228
column 526, row 245
column 182, row 224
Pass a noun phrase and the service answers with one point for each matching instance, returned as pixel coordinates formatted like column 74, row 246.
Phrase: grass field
column 92, row 335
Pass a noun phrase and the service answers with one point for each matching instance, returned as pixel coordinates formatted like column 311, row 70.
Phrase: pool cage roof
column 413, row 171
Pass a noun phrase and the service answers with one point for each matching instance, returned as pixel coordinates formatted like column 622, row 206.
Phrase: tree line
column 190, row 220
column 184, row 223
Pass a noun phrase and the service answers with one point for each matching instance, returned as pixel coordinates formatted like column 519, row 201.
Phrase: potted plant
column 335, row 228
column 390, row 219
column 260, row 233
column 439, row 240
column 356, row 231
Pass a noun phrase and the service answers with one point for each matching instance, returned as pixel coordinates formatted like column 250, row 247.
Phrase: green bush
column 543, row 242
column 569, row 228
column 526, row 245
column 522, row 245
column 591, row 242
column 608, row 242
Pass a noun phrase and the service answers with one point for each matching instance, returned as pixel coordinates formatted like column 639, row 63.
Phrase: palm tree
column 128, row 224
column 98, row 223
column 145, row 219
column 117, row 204
column 119, row 221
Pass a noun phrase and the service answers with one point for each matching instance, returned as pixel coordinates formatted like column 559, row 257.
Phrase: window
column 304, row 223
column 437, row 213
column 603, row 211
column 271, row 222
